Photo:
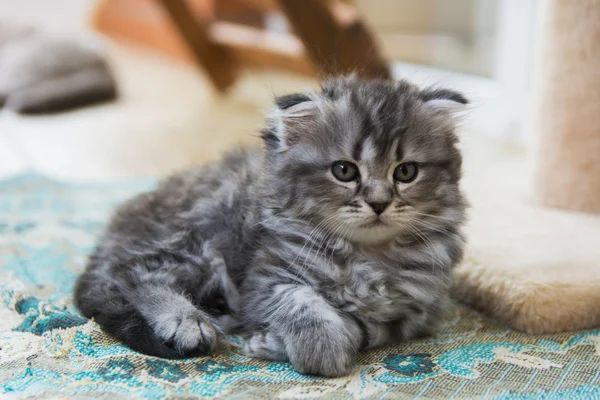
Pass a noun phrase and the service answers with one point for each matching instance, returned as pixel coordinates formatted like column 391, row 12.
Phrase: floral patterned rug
column 47, row 350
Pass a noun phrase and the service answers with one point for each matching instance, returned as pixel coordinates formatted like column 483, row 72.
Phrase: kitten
column 339, row 235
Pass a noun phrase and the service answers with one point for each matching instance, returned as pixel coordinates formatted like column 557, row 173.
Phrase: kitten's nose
column 379, row 207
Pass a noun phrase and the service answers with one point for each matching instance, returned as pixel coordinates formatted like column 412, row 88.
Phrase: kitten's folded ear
column 290, row 120
column 290, row 100
column 444, row 99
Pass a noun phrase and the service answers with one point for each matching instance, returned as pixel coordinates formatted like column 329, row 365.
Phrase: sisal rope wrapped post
column 566, row 110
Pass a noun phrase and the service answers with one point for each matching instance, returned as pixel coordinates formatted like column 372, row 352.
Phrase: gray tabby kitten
column 340, row 235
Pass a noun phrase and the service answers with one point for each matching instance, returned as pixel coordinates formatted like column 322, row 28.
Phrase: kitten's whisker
column 343, row 234
column 316, row 254
column 335, row 237
column 435, row 216
column 332, row 234
column 437, row 229
column 275, row 216
column 428, row 243
column 335, row 234
column 319, row 228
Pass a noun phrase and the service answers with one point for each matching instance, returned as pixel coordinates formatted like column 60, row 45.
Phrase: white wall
column 452, row 34
column 513, row 64
column 69, row 14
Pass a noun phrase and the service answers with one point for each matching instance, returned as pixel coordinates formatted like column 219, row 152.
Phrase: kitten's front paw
column 188, row 331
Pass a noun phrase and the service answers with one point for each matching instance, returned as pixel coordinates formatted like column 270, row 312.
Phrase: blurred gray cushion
column 41, row 73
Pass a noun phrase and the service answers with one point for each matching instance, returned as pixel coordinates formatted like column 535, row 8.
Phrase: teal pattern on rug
column 47, row 228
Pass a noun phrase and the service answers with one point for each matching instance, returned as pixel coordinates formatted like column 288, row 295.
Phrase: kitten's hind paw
column 189, row 331
column 193, row 333
column 265, row 346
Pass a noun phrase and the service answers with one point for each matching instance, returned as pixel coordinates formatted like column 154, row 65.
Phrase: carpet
column 47, row 350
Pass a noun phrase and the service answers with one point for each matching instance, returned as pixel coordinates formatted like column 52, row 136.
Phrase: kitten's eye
column 406, row 172
column 344, row 171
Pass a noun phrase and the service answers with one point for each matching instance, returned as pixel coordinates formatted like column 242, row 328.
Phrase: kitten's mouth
column 376, row 223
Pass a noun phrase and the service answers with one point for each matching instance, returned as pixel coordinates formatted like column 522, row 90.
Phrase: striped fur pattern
column 310, row 268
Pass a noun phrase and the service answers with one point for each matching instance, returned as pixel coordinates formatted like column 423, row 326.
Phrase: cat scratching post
column 531, row 261
column 567, row 107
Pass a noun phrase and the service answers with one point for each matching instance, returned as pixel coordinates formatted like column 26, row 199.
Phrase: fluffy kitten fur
column 271, row 243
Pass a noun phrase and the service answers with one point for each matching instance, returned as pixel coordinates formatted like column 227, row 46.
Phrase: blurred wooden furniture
column 222, row 36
